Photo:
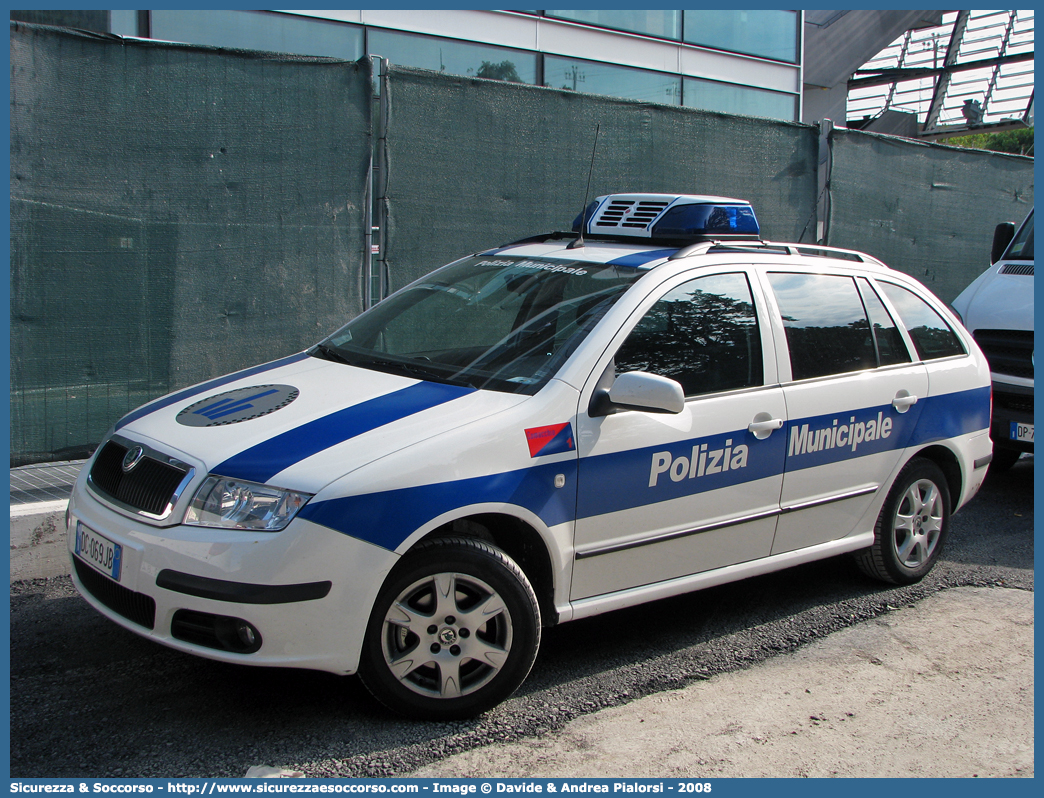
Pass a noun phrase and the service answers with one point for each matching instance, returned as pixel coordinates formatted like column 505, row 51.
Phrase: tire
column 912, row 528
column 454, row 631
column 1003, row 459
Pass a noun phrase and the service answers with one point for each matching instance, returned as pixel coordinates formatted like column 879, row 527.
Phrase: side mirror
column 1002, row 236
column 639, row 390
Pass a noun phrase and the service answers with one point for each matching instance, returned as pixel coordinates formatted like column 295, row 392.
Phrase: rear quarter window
column 933, row 338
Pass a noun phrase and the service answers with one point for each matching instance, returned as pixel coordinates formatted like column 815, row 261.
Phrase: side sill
column 596, row 605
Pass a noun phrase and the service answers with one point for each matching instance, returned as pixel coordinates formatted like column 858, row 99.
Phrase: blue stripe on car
column 620, row 481
column 641, row 258
column 387, row 518
column 203, row 387
column 262, row 462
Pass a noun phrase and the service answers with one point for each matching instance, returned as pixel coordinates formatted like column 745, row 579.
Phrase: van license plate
column 1021, row 432
column 99, row 551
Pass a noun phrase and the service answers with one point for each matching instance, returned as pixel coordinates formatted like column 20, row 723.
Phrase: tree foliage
column 1017, row 142
column 505, row 70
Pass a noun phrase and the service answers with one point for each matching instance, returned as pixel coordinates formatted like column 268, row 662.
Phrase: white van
column 998, row 309
column 541, row 432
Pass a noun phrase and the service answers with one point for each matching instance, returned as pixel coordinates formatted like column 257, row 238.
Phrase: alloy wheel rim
column 918, row 523
column 446, row 635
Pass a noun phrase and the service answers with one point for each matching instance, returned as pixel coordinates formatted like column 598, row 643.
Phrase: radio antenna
column 579, row 240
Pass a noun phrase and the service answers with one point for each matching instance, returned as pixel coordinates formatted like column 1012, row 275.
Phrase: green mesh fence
column 180, row 212
column 925, row 209
column 476, row 163
column 176, row 213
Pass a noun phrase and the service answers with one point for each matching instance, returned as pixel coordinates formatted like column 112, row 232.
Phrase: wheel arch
column 950, row 465
column 517, row 538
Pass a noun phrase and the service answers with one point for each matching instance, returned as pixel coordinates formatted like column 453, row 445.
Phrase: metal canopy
column 972, row 73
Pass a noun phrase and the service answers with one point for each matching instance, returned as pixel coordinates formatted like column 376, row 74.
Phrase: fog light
column 247, row 633
column 215, row 631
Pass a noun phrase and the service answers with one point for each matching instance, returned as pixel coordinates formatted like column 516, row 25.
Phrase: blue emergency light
column 673, row 216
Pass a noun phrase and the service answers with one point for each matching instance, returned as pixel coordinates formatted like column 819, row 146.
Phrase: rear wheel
column 912, row 527
column 454, row 631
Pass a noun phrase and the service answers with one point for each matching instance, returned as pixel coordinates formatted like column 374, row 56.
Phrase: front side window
column 488, row 321
column 932, row 336
column 704, row 334
column 826, row 325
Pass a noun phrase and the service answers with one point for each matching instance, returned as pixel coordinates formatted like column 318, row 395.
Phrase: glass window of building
column 252, row 30
column 86, row 20
column 766, row 33
column 452, row 56
column 592, row 77
column 665, row 24
column 729, row 98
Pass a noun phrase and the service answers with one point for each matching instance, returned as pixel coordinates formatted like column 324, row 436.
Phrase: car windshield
column 1022, row 247
column 488, row 321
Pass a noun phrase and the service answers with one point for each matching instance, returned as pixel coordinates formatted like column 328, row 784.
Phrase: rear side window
column 825, row 322
column 932, row 336
column 889, row 341
column 704, row 334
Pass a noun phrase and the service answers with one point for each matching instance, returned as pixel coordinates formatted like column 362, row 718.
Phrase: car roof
column 643, row 230
column 649, row 255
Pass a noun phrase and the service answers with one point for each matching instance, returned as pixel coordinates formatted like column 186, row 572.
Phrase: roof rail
column 814, row 250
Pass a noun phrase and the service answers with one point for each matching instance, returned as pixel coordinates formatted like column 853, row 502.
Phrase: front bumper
column 1012, row 404
column 305, row 592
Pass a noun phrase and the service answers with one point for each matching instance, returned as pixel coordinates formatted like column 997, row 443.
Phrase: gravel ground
column 89, row 699
column 909, row 694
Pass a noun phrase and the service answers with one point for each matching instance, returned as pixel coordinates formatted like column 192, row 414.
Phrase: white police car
column 542, row 432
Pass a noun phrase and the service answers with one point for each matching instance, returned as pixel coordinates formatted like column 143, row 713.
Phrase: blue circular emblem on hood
column 241, row 404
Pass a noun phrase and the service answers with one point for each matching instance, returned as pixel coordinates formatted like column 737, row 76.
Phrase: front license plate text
column 99, row 551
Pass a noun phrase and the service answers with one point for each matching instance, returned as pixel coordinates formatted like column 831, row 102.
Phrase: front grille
column 148, row 487
column 1021, row 403
column 1008, row 351
column 135, row 607
column 1017, row 268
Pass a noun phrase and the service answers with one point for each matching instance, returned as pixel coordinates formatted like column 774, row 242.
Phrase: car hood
column 301, row 422
column 997, row 302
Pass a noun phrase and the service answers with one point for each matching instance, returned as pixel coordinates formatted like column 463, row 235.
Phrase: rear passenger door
column 853, row 396
column 664, row 495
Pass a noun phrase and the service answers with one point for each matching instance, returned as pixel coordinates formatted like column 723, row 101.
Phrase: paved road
column 91, row 700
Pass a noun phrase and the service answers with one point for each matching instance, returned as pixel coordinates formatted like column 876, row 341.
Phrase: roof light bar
column 673, row 216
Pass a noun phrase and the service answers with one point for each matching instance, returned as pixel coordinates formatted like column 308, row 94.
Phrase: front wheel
column 912, row 527
column 454, row 631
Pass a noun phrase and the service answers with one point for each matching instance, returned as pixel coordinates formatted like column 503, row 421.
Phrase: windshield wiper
column 416, row 370
column 330, row 352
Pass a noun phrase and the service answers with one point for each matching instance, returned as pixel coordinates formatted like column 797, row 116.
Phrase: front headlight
column 237, row 504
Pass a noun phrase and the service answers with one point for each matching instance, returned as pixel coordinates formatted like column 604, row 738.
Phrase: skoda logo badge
column 132, row 458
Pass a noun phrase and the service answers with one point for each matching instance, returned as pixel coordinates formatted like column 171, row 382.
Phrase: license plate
column 98, row 551
column 1021, row 432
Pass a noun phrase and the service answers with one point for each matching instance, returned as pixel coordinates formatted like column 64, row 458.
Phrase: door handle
column 764, row 425
column 903, row 401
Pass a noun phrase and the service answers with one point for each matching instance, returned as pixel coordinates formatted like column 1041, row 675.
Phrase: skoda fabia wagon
column 657, row 402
